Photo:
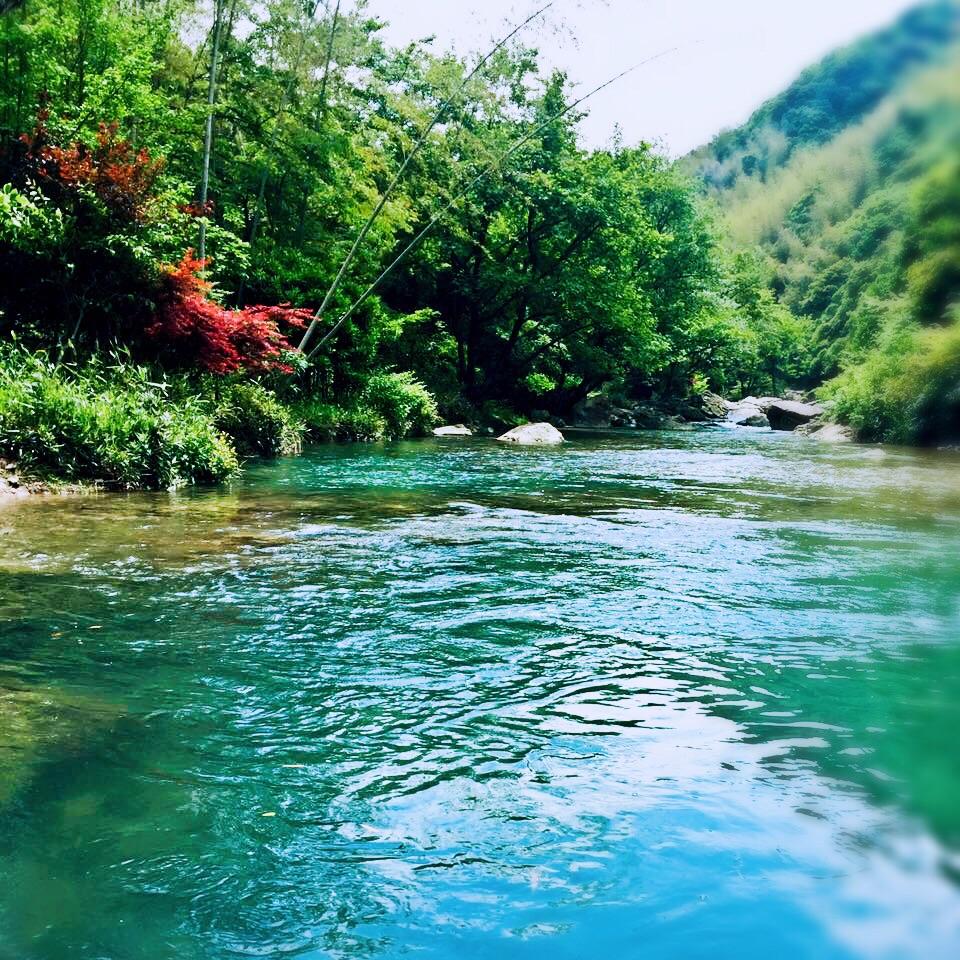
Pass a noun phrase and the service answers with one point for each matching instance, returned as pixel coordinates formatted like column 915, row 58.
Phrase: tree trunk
column 208, row 133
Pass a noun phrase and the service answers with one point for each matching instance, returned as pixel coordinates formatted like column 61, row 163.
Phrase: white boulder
column 533, row 434
column 748, row 415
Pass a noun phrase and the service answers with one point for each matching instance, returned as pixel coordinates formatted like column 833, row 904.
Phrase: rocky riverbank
column 14, row 485
column 792, row 412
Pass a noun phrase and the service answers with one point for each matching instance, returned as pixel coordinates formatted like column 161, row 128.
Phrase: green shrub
column 391, row 406
column 256, row 421
column 931, row 385
column 27, row 222
column 863, row 397
column 117, row 426
column 406, row 405
column 361, row 423
column 905, row 391
column 327, row 422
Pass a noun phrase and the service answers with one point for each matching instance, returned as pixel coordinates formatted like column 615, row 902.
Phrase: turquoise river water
column 673, row 695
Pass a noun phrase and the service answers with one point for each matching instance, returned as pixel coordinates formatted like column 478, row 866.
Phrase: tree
column 407, row 197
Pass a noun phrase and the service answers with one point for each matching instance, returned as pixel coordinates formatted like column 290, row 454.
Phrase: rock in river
column 763, row 403
column 748, row 415
column 455, row 430
column 790, row 414
column 833, row 433
column 533, row 434
column 714, row 406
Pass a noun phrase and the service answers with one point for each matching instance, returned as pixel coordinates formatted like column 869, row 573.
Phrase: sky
column 725, row 56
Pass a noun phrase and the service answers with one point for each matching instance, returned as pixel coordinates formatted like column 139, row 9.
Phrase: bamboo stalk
column 208, row 132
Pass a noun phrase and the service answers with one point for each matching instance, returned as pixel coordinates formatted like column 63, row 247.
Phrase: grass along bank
column 123, row 426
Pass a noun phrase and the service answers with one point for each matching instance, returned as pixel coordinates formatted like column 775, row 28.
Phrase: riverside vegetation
column 227, row 229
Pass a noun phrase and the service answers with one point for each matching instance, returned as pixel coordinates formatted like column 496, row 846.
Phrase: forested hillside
column 849, row 182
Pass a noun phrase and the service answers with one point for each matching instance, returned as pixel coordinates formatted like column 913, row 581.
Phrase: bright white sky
column 731, row 54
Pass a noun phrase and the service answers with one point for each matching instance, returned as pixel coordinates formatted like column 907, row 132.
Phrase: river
column 680, row 694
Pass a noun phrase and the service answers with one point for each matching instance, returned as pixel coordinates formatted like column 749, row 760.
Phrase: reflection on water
column 684, row 695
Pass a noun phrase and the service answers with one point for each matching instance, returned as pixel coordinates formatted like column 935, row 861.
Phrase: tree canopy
column 192, row 180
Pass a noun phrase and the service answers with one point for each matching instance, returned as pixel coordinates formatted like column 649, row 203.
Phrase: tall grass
column 113, row 424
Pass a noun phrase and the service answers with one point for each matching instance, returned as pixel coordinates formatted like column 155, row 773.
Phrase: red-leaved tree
column 190, row 330
column 110, row 295
column 123, row 178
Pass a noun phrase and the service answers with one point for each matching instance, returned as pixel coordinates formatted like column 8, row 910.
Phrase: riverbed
column 678, row 694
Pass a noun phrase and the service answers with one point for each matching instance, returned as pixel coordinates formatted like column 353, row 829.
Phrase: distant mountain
column 828, row 97
column 849, row 184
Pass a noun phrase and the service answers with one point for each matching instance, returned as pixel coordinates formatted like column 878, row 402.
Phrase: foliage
column 932, row 386
column 867, row 396
column 499, row 415
column 782, row 341
column 121, row 178
column 191, row 330
column 905, row 391
column 256, row 422
column 566, row 270
column 115, row 425
column 26, row 223
column 327, row 422
column 829, row 97
column 69, row 220
column 860, row 235
column 405, row 404
column 563, row 271
column 390, row 407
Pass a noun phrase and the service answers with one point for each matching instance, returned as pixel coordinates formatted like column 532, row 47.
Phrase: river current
column 678, row 695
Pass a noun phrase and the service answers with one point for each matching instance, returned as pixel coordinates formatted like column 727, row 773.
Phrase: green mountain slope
column 849, row 184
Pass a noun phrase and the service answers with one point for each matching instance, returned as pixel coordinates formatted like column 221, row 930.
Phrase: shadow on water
column 450, row 698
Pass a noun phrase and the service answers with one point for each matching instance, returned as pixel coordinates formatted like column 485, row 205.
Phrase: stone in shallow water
column 533, row 434
column 748, row 415
column 455, row 430
column 833, row 433
column 789, row 414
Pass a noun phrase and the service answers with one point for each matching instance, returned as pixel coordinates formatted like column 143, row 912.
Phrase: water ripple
column 454, row 700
